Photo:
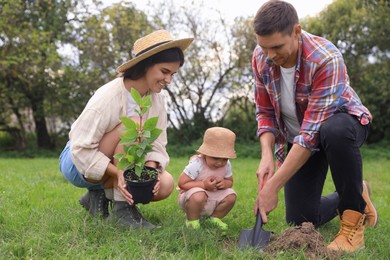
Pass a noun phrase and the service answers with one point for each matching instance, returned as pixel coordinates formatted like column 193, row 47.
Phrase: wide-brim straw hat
column 218, row 142
column 151, row 44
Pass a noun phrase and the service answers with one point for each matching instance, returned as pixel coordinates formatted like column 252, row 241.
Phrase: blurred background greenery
column 54, row 54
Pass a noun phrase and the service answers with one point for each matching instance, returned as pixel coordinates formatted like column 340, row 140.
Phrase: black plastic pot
column 140, row 189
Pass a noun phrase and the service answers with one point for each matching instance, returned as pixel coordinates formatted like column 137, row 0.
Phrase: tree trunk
column 43, row 137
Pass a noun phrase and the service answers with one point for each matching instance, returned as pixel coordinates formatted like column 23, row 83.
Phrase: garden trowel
column 256, row 237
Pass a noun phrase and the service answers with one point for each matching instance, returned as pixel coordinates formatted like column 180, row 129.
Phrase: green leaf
column 128, row 123
column 137, row 96
column 127, row 148
column 148, row 148
column 155, row 133
column 146, row 134
column 130, row 158
column 129, row 137
column 146, row 100
column 118, row 156
column 150, row 123
column 138, row 169
column 146, row 104
column 122, row 164
column 142, row 146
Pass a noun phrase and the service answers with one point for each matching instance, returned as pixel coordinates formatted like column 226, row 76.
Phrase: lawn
column 40, row 218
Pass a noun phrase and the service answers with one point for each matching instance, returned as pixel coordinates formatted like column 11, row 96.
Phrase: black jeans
column 340, row 139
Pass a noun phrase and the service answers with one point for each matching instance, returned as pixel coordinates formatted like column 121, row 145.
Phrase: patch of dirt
column 305, row 238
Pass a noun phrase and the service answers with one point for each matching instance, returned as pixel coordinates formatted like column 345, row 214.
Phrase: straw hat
column 151, row 44
column 218, row 142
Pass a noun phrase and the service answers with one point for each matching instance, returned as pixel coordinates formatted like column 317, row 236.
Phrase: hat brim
column 217, row 154
column 181, row 43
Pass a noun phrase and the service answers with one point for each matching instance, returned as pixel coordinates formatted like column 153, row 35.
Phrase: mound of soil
column 305, row 238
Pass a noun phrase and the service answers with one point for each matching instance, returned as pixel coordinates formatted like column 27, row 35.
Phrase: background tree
column 54, row 55
column 240, row 109
column 29, row 35
column 100, row 41
column 211, row 75
column 360, row 29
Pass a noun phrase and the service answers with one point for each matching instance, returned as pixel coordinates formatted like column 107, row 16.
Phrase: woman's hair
column 139, row 69
column 275, row 16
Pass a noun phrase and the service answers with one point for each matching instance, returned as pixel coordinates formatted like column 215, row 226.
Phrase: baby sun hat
column 151, row 44
column 218, row 142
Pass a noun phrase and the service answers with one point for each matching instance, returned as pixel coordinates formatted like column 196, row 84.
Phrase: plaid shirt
column 321, row 90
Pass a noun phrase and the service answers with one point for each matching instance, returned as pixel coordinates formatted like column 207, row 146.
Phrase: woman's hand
column 152, row 164
column 122, row 187
column 156, row 188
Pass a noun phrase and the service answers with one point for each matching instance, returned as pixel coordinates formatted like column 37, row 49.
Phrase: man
column 304, row 103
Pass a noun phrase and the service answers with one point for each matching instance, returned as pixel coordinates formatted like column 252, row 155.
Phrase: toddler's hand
column 210, row 184
column 220, row 183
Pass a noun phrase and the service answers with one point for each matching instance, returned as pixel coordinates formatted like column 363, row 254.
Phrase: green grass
column 40, row 218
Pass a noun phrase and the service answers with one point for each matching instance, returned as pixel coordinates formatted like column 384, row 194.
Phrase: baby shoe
column 193, row 224
column 218, row 222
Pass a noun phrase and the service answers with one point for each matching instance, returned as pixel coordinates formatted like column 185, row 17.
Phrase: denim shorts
column 70, row 172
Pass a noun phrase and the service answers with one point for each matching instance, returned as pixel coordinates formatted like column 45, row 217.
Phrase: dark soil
column 301, row 238
column 147, row 174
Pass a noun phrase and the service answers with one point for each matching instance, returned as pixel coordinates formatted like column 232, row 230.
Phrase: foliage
column 29, row 34
column 211, row 75
column 103, row 40
column 53, row 55
column 240, row 109
column 138, row 137
column 100, row 41
column 240, row 118
column 359, row 28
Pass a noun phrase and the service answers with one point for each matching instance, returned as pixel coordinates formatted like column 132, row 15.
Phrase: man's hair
column 275, row 16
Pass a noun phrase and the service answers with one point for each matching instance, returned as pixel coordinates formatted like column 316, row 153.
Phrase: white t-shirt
column 288, row 109
column 197, row 169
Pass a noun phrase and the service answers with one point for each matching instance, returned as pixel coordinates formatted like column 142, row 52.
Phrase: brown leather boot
column 370, row 211
column 351, row 235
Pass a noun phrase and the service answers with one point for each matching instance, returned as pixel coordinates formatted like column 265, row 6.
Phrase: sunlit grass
column 40, row 218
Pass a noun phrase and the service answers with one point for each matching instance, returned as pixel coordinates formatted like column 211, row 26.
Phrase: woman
column 87, row 160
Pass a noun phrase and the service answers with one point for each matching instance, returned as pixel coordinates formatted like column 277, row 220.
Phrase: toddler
column 206, row 182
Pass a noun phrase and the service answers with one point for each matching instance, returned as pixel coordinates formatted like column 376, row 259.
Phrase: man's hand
column 266, row 201
column 265, row 171
column 266, row 167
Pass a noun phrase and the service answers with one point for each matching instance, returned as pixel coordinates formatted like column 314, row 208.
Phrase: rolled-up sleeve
column 86, row 133
column 329, row 82
column 265, row 113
